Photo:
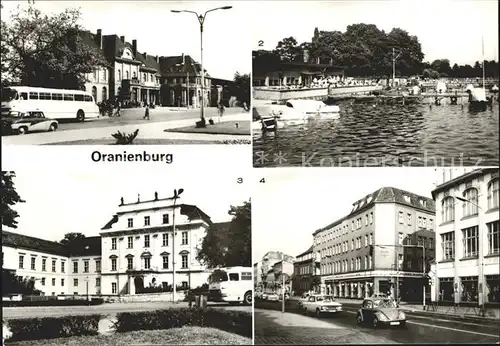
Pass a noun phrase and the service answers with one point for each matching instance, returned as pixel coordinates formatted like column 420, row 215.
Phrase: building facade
column 468, row 236
column 303, row 272
column 135, row 250
column 363, row 252
column 267, row 271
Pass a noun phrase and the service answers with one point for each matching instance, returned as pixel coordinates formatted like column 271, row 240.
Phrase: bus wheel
column 248, row 298
column 80, row 116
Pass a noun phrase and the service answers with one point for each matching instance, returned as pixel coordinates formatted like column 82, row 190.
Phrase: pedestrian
column 146, row 112
column 118, row 107
column 221, row 109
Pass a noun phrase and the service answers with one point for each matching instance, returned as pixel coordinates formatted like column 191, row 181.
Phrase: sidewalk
column 146, row 131
column 274, row 327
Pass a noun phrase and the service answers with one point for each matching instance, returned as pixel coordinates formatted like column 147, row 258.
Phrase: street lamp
column 394, row 57
column 201, row 20
column 87, row 284
column 481, row 284
column 177, row 193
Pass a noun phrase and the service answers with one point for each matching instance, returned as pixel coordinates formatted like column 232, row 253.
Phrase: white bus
column 54, row 103
column 232, row 285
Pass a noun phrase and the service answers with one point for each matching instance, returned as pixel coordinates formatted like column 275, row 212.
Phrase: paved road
column 420, row 329
column 111, row 308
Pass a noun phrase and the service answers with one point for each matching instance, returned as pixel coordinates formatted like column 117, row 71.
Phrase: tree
column 69, row 237
column 242, row 87
column 11, row 283
column 47, row 50
column 231, row 246
column 10, row 197
column 287, row 49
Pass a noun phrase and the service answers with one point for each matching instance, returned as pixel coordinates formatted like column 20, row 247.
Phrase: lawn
column 223, row 128
column 151, row 141
column 176, row 336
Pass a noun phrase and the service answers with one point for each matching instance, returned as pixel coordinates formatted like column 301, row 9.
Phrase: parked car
column 272, row 297
column 380, row 311
column 321, row 304
column 28, row 121
column 302, row 299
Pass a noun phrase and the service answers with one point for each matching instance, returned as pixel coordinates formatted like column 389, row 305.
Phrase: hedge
column 237, row 322
column 53, row 327
column 53, row 302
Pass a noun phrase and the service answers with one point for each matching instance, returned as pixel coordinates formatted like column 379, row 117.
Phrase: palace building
column 468, row 236
column 372, row 249
column 135, row 250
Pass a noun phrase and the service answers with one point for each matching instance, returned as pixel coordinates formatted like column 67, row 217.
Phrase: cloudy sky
column 66, row 192
column 226, row 39
column 446, row 28
column 293, row 203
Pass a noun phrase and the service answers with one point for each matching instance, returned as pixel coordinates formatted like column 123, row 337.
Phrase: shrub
column 123, row 139
column 238, row 322
column 53, row 327
column 53, row 302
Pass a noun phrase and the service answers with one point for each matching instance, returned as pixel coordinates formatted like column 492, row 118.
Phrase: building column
column 266, row 82
column 148, row 97
column 284, row 81
column 131, row 285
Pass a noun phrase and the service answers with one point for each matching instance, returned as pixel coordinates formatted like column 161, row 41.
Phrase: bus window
column 78, row 97
column 69, row 97
column 87, row 98
column 246, row 276
column 24, row 96
column 234, row 277
column 44, row 96
column 57, row 97
column 33, row 96
column 217, row 276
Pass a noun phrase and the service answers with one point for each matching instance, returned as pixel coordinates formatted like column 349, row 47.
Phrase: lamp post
column 201, row 20
column 481, row 283
column 87, row 284
column 176, row 195
column 394, row 57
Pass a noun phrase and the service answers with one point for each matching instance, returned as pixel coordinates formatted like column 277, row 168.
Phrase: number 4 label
column 263, row 180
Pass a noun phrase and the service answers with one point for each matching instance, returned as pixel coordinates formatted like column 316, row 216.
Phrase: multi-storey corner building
column 468, row 236
column 267, row 271
column 141, row 77
column 303, row 272
column 135, row 250
column 363, row 253
column 257, row 274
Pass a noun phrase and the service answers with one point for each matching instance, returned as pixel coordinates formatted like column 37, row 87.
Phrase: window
column 63, row 267
column 43, row 281
column 165, row 262
column 493, row 237
column 246, row 276
column 420, row 241
column 44, row 264
column 33, row 96
column 119, row 75
column 146, row 240
column 97, row 282
column 113, row 264
column 130, row 242
column 470, row 207
column 470, row 239
column 85, row 266
column 88, row 98
column 75, row 267
column 78, row 97
column 448, row 211
column 97, row 265
column 352, row 264
column 371, row 218
column 53, row 282
column 366, row 240
column 33, row 263
column 371, row 238
column 113, row 243
column 419, row 223
column 75, row 282
column 130, row 263
column 234, row 277
column 366, row 262
column 62, row 282
column 69, row 97
column 184, row 238
column 352, row 244
column 130, row 223
column 400, row 217
column 370, row 261
column 44, row 96
column 448, row 245
column 431, row 224
column 424, row 223
column 400, row 238
column 113, row 288
column 57, row 97
column 147, row 220
column 366, row 220
column 165, row 218
column 165, row 239
column 352, row 226
column 53, row 266
column 184, row 261
column 147, row 263
column 493, row 194
column 408, row 219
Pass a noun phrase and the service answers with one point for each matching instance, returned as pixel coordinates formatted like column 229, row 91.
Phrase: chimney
column 122, row 38
column 306, row 56
column 134, row 47
column 157, row 59
column 99, row 38
column 183, row 59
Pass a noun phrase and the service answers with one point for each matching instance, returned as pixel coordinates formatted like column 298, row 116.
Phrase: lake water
column 368, row 135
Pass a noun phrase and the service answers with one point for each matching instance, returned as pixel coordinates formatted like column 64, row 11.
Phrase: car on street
column 380, row 311
column 21, row 122
column 321, row 304
column 272, row 297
